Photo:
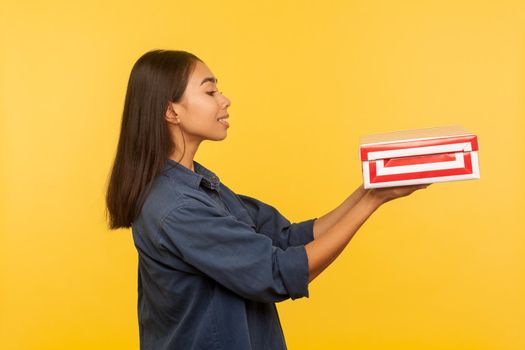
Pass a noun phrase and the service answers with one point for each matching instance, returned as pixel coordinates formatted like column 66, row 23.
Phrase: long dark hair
column 145, row 143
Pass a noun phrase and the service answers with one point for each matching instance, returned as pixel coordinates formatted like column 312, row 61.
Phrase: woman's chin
column 219, row 137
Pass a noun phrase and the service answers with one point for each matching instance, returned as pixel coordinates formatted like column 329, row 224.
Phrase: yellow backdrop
column 441, row 269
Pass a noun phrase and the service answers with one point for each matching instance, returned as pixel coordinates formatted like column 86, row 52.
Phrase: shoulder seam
column 170, row 210
column 158, row 237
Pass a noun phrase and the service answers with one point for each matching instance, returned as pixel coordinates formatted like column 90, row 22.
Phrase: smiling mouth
column 224, row 120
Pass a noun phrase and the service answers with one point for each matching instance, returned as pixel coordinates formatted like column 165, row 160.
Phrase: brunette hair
column 145, row 143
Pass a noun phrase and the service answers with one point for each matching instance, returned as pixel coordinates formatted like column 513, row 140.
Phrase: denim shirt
column 213, row 263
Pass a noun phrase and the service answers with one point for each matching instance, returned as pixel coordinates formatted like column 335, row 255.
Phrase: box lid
column 404, row 143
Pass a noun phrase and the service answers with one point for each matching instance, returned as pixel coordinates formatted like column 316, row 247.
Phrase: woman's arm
column 323, row 223
column 322, row 251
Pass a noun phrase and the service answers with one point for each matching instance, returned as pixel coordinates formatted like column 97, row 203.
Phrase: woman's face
column 201, row 107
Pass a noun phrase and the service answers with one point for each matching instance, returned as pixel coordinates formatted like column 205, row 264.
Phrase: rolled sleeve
column 271, row 222
column 294, row 265
column 232, row 253
column 301, row 233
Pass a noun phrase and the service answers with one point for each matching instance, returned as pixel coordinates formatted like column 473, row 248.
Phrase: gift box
column 419, row 156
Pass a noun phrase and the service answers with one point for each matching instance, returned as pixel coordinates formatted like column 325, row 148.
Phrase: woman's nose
column 227, row 101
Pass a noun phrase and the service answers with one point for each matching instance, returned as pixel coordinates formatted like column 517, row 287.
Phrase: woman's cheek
column 207, row 104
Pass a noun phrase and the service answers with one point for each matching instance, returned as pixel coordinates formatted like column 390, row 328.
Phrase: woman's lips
column 224, row 120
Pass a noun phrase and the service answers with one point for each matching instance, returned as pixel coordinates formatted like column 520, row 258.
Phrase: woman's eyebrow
column 212, row 79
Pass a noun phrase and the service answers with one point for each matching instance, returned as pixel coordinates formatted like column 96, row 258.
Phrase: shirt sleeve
column 234, row 254
column 271, row 222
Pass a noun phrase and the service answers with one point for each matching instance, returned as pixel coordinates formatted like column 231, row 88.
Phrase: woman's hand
column 385, row 194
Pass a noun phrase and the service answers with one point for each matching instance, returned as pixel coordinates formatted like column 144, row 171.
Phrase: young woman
column 212, row 263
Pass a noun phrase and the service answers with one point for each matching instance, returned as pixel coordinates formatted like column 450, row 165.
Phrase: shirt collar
column 193, row 178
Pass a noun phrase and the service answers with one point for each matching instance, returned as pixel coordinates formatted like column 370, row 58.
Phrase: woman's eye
column 211, row 93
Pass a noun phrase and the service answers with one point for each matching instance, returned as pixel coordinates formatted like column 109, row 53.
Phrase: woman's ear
column 171, row 116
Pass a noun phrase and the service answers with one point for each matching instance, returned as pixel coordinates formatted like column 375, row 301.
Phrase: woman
column 212, row 263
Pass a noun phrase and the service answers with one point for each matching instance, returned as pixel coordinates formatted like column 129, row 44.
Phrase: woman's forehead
column 202, row 74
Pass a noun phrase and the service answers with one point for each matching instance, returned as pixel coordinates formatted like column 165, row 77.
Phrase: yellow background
column 440, row 269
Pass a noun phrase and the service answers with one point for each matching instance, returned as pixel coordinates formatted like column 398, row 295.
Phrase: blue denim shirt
column 213, row 263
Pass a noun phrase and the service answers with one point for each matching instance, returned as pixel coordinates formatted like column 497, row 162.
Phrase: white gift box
column 419, row 156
